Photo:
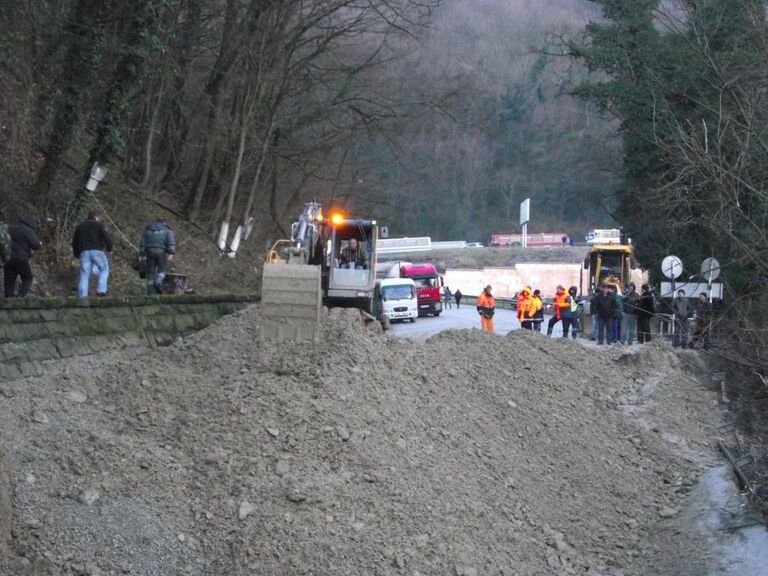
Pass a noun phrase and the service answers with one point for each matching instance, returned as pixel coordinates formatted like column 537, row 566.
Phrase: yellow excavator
column 608, row 264
column 304, row 272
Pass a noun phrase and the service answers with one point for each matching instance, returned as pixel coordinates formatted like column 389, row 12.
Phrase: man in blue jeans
column 90, row 244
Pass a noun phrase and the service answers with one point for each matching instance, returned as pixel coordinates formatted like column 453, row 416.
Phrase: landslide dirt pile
column 468, row 455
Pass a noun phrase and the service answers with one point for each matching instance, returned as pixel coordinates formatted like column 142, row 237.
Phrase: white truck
column 395, row 299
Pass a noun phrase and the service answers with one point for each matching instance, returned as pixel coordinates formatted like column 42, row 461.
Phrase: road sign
column 525, row 211
column 672, row 267
column 710, row 269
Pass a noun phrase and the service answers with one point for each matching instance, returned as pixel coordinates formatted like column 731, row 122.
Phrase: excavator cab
column 303, row 273
column 353, row 286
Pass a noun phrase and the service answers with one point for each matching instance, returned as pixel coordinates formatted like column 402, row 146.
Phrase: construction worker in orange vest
column 486, row 307
column 562, row 302
column 526, row 308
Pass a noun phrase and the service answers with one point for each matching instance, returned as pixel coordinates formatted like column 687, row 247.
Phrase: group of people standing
column 618, row 317
column 449, row 296
column 91, row 245
column 530, row 310
column 681, row 307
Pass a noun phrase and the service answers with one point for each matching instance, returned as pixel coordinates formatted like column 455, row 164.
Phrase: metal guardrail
column 503, row 303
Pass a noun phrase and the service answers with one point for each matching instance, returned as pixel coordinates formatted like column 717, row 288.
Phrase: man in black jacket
column 603, row 307
column 23, row 241
column 158, row 246
column 646, row 309
column 90, row 244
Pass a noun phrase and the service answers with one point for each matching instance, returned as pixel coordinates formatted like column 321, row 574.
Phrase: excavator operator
column 353, row 256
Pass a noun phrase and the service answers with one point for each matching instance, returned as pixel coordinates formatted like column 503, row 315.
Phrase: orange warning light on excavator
column 337, row 218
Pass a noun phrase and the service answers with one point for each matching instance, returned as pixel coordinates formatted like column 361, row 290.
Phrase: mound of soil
column 470, row 454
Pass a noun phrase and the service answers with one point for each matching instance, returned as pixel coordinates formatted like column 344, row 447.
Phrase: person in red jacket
column 562, row 303
column 486, row 307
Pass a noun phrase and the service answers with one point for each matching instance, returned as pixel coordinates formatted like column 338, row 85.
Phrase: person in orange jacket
column 486, row 307
column 526, row 308
column 562, row 303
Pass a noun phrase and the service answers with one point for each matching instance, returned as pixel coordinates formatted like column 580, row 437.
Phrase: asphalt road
column 459, row 319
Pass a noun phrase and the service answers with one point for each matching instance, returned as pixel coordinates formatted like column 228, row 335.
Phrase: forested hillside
column 503, row 127
column 687, row 81
column 437, row 117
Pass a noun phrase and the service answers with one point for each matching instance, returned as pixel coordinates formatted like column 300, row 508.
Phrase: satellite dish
column 672, row 267
column 384, row 232
column 710, row 269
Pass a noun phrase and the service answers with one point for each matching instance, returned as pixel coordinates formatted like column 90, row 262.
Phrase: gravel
column 469, row 454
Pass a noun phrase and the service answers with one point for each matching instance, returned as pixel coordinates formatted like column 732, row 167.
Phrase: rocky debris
column 282, row 467
column 667, row 512
column 367, row 454
column 245, row 510
column 343, row 433
column 89, row 497
column 77, row 396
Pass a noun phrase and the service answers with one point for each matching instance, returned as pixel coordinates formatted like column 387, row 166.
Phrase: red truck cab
column 429, row 289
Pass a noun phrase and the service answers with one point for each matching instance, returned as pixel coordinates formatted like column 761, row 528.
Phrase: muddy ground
column 468, row 454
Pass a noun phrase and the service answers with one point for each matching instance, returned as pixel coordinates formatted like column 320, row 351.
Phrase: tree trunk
column 263, row 154
column 155, row 113
column 80, row 70
column 176, row 126
column 213, row 91
column 129, row 73
column 245, row 118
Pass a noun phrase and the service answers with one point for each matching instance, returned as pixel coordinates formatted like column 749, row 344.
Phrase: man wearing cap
column 486, row 307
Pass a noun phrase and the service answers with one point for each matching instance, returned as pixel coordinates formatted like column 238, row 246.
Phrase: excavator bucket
column 291, row 299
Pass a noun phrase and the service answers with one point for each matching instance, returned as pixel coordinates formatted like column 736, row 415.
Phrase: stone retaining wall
column 34, row 330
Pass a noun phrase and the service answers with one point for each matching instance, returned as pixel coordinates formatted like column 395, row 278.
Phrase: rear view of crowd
column 618, row 317
column 91, row 246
